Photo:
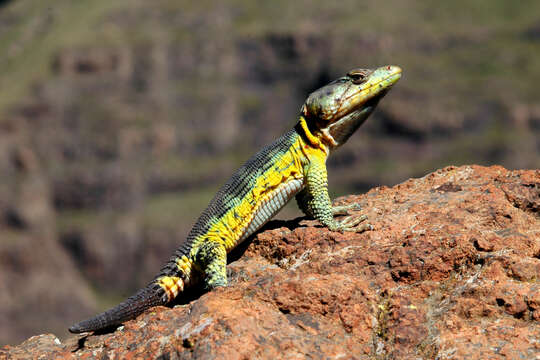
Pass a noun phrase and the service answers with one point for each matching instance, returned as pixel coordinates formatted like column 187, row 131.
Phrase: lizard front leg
column 315, row 202
column 303, row 198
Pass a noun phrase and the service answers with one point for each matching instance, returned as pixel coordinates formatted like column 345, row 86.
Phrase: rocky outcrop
column 450, row 270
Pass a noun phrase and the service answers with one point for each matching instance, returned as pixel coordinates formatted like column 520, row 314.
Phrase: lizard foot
column 350, row 223
column 209, row 286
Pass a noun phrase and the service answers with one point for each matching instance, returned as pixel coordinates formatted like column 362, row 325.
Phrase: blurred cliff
column 119, row 120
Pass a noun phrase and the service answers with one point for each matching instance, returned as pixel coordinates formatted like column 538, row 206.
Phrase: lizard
column 292, row 166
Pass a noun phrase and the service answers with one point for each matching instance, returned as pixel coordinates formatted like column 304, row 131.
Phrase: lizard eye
column 358, row 76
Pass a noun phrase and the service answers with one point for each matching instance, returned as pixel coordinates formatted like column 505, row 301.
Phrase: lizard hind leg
column 212, row 259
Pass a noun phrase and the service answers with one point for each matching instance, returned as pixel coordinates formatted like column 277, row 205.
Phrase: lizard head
column 336, row 110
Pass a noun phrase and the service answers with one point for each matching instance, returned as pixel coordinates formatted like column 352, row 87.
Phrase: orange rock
column 450, row 271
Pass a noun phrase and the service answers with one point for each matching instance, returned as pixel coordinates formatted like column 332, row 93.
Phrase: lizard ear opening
column 304, row 111
column 313, row 120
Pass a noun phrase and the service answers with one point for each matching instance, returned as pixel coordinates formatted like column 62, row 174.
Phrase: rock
column 450, row 270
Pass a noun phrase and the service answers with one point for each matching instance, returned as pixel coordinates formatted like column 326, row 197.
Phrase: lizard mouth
column 367, row 93
column 374, row 92
column 340, row 131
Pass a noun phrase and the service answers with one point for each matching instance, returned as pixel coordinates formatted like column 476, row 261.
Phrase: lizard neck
column 315, row 140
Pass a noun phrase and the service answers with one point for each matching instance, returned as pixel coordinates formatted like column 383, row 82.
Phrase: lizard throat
column 322, row 140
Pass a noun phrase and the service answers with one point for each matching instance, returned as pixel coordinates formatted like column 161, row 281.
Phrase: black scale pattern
column 240, row 183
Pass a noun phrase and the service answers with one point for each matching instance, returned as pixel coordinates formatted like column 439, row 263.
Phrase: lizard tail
column 151, row 295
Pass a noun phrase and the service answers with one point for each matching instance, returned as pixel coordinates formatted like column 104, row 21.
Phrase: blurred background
column 120, row 119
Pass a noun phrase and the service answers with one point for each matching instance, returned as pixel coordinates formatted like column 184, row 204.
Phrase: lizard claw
column 345, row 209
column 360, row 229
column 350, row 223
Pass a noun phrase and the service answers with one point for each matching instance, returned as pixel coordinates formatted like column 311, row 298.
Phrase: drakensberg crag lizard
column 295, row 164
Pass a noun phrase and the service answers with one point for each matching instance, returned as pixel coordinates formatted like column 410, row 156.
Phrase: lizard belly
column 270, row 205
